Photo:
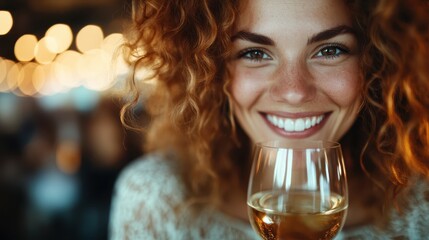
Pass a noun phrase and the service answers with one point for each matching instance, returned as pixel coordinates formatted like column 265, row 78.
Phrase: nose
column 293, row 84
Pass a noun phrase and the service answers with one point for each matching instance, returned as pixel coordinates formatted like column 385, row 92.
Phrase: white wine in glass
column 297, row 190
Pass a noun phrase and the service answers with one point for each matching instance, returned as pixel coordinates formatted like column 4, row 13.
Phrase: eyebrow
column 264, row 40
column 330, row 33
column 253, row 37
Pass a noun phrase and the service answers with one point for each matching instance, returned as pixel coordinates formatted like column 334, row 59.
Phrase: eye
column 331, row 51
column 255, row 54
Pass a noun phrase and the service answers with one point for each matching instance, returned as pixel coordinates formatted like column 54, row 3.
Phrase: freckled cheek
column 246, row 87
column 344, row 88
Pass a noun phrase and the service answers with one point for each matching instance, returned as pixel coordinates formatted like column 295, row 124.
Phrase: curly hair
column 395, row 62
column 185, row 44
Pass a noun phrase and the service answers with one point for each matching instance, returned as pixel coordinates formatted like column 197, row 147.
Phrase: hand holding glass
column 297, row 190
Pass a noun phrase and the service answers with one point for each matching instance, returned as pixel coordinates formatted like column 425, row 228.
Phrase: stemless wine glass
column 297, row 190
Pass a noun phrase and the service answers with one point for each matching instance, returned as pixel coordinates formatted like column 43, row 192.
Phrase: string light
column 42, row 51
column 62, row 35
column 4, row 68
column 6, row 21
column 48, row 66
column 24, row 47
column 89, row 37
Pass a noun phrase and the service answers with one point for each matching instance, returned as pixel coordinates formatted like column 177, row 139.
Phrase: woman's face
column 294, row 70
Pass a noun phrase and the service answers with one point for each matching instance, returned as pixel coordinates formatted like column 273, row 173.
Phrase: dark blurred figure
column 27, row 138
column 106, row 147
column 58, row 167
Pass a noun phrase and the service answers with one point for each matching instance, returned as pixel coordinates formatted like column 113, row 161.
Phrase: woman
column 231, row 73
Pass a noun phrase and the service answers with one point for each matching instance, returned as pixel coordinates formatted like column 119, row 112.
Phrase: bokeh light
column 112, row 42
column 42, row 51
column 6, row 22
column 52, row 190
column 92, row 67
column 25, row 47
column 68, row 75
column 5, row 66
column 68, row 156
column 97, row 64
column 62, row 35
column 89, row 37
column 12, row 77
column 57, row 69
column 112, row 45
column 3, row 70
column 51, row 84
column 25, row 79
column 39, row 76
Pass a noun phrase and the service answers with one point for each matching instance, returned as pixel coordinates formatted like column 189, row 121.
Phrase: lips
column 295, row 124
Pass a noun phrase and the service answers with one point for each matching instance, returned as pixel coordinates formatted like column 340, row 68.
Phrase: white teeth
column 299, row 125
column 295, row 125
column 308, row 123
column 289, row 125
column 281, row 123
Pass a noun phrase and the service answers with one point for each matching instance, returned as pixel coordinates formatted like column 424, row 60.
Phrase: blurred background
column 62, row 144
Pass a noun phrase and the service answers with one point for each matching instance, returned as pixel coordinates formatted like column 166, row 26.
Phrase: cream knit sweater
column 148, row 193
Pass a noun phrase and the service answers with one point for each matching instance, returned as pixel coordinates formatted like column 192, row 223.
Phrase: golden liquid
column 296, row 215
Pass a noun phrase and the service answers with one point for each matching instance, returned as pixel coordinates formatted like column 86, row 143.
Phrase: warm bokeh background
column 62, row 144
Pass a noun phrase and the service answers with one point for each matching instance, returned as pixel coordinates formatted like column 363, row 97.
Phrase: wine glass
column 297, row 190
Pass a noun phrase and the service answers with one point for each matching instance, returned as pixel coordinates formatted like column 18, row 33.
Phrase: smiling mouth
column 295, row 124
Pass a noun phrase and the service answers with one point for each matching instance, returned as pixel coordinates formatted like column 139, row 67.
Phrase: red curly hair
column 396, row 67
column 185, row 45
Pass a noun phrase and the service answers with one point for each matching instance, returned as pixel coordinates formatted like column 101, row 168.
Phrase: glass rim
column 298, row 144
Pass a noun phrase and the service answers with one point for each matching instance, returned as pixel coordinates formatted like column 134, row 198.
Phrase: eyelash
column 340, row 49
column 243, row 53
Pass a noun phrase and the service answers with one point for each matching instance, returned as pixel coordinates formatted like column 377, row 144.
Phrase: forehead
column 261, row 15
